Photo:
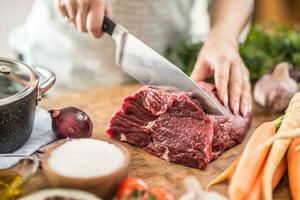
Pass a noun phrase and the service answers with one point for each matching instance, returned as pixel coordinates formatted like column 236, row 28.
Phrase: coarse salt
column 83, row 158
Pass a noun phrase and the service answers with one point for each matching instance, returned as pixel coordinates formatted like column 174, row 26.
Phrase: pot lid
column 16, row 80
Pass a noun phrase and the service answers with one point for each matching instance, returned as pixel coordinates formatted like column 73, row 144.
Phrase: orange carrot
column 250, row 163
column 293, row 160
column 256, row 191
column 290, row 122
column 291, row 134
column 225, row 175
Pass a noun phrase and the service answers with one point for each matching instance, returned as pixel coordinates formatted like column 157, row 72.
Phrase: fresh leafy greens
column 264, row 47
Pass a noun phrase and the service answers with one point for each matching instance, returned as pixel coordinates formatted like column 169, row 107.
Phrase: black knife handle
column 108, row 26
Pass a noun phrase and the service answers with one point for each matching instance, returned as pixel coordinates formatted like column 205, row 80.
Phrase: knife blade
column 150, row 68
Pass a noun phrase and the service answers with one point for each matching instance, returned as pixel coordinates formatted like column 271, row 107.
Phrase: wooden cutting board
column 101, row 102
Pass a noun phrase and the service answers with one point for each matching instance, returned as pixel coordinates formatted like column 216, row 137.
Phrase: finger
column 201, row 71
column 95, row 19
column 57, row 3
column 61, row 7
column 221, row 80
column 246, row 101
column 71, row 8
column 81, row 16
column 235, row 86
column 108, row 10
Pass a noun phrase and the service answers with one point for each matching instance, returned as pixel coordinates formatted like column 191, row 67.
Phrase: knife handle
column 108, row 26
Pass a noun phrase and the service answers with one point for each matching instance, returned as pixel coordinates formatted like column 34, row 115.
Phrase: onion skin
column 71, row 122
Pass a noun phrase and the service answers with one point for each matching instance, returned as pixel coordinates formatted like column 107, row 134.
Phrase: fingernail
column 79, row 27
column 236, row 108
column 225, row 101
column 72, row 16
column 250, row 108
column 246, row 111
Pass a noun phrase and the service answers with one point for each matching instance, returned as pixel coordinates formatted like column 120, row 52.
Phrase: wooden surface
column 100, row 103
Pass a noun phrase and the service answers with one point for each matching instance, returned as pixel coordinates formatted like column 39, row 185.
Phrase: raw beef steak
column 172, row 125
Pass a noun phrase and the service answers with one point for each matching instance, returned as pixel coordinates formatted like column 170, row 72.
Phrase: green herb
column 184, row 54
column 138, row 194
column 264, row 47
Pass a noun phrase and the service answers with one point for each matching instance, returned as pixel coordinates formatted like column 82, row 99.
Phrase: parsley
column 265, row 46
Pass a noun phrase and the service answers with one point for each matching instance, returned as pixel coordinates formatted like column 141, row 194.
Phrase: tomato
column 160, row 194
column 132, row 188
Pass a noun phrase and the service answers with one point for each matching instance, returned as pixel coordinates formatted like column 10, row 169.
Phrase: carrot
column 250, row 164
column 225, row 175
column 291, row 121
column 284, row 135
column 293, row 159
column 256, row 191
column 288, row 134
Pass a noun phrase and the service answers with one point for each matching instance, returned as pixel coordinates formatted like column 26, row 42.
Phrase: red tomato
column 160, row 194
column 132, row 188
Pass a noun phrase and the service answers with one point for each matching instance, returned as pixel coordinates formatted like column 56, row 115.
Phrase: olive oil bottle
column 10, row 185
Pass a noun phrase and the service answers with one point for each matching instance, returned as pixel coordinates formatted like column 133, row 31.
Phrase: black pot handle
column 46, row 84
column 108, row 26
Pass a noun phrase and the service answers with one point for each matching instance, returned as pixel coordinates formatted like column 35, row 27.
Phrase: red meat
column 172, row 125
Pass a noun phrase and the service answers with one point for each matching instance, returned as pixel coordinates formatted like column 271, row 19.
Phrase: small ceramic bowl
column 104, row 186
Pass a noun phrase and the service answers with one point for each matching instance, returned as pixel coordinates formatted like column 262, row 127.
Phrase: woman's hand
column 86, row 15
column 220, row 57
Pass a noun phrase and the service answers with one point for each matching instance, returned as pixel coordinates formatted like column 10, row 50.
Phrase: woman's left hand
column 219, row 57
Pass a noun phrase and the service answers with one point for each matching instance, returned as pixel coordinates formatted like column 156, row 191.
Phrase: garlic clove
column 194, row 191
column 274, row 91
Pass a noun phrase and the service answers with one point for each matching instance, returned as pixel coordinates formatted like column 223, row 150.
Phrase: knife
column 150, row 68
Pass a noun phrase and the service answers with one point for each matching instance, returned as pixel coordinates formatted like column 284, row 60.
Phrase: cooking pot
column 21, row 87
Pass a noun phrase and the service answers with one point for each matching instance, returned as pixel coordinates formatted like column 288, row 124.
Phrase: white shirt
column 77, row 59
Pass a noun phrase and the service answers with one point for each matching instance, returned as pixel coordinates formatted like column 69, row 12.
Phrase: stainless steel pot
column 21, row 88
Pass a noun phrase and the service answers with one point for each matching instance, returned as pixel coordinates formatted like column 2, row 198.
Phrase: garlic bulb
column 196, row 192
column 274, row 91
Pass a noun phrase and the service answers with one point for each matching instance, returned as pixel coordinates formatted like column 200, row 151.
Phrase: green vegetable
column 265, row 46
column 184, row 54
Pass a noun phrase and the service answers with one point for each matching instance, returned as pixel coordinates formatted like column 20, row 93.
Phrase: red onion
column 71, row 122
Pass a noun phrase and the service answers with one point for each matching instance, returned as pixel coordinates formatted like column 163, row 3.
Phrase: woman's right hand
column 86, row 15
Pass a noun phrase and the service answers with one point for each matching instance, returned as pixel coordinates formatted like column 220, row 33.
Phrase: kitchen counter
column 101, row 102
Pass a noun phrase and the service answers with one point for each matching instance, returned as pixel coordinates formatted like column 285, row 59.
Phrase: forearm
column 228, row 17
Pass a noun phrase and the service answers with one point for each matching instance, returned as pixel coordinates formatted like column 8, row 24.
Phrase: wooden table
column 101, row 102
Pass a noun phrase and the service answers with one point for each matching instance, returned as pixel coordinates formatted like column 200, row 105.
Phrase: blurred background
column 281, row 11
column 273, row 38
column 13, row 13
